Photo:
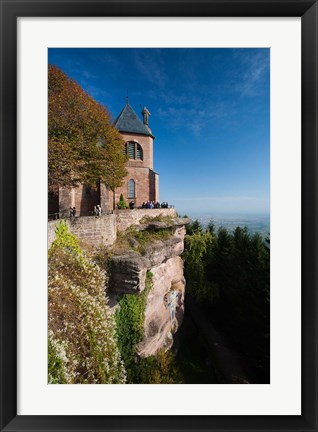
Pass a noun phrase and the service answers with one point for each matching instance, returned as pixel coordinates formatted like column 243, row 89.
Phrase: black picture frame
column 10, row 11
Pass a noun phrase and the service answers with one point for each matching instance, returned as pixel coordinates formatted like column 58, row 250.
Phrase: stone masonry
column 126, row 218
column 90, row 229
column 96, row 230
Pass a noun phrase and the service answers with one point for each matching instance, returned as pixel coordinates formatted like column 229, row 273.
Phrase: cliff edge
column 155, row 246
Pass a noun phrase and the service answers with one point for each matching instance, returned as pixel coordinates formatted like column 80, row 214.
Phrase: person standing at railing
column 72, row 212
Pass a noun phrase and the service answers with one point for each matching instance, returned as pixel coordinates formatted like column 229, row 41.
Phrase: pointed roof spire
column 128, row 121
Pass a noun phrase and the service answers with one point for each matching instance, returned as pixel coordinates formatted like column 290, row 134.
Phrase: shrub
column 65, row 240
column 158, row 369
column 82, row 343
column 57, row 361
column 122, row 204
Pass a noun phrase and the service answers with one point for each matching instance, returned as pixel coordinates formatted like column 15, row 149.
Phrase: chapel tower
column 141, row 183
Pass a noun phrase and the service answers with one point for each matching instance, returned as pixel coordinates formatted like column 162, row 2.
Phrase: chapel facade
column 141, row 183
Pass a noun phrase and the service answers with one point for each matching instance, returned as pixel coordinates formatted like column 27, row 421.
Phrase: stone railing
column 126, row 218
column 103, row 230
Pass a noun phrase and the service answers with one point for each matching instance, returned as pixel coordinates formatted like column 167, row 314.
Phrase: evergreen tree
column 196, row 247
column 193, row 227
column 231, row 273
column 211, row 227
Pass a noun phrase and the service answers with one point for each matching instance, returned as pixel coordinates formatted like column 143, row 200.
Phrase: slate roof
column 128, row 121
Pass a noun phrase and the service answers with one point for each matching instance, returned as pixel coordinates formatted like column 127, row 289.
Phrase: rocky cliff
column 155, row 246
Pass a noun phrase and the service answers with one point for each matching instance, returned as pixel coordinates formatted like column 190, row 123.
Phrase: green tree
column 194, row 256
column 220, row 265
column 83, row 146
column 211, row 227
column 194, row 227
column 231, row 272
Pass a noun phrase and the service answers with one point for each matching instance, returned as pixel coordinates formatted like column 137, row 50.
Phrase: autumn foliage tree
column 83, row 146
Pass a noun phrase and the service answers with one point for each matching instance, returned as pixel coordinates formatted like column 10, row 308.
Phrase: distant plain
column 253, row 222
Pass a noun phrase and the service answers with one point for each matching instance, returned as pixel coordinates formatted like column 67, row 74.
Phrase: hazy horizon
column 254, row 222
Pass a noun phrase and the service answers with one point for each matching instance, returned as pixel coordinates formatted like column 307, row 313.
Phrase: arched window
column 134, row 150
column 131, row 188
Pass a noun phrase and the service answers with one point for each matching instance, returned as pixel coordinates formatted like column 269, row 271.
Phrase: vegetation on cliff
column 165, row 219
column 138, row 240
column 158, row 369
column 83, row 146
column 229, row 274
column 130, row 317
column 82, row 346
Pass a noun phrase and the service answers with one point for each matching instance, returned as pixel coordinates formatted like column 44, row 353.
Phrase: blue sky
column 210, row 114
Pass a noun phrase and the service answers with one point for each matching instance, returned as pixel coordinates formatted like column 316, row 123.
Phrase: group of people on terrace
column 145, row 205
column 154, row 205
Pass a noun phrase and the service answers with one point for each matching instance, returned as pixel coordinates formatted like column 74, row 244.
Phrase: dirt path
column 229, row 362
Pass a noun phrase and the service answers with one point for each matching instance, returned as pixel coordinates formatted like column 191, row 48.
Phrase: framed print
column 229, row 91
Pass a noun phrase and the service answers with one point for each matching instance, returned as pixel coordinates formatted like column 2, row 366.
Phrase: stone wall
column 90, row 229
column 143, row 191
column 126, row 218
column 146, row 185
column 95, row 230
column 51, row 232
column 85, row 198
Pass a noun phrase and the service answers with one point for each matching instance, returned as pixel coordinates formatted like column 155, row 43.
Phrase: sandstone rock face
column 129, row 273
column 159, row 326
column 165, row 303
column 129, row 269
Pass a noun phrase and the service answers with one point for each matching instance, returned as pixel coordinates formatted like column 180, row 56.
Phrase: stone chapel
column 141, row 183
